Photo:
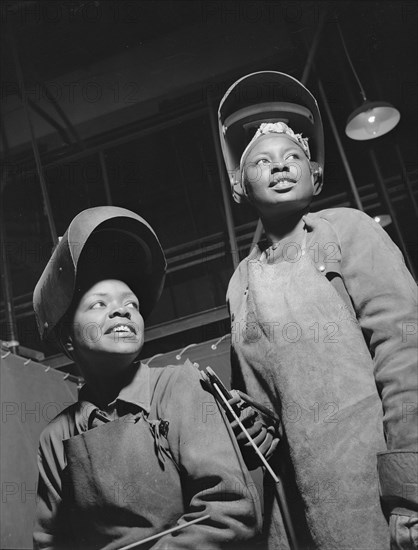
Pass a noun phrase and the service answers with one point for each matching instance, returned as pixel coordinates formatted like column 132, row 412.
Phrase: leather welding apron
column 302, row 354
column 120, row 484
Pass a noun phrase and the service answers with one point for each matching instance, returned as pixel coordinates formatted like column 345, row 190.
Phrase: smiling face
column 277, row 176
column 107, row 328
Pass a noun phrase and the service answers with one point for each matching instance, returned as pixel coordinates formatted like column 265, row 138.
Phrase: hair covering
column 276, row 128
column 100, row 243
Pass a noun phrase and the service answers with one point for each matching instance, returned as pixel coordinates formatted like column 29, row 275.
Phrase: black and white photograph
column 208, row 317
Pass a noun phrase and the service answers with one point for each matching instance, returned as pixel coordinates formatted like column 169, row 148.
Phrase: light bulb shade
column 371, row 120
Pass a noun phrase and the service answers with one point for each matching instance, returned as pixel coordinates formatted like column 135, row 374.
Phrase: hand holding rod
column 258, row 406
column 278, row 486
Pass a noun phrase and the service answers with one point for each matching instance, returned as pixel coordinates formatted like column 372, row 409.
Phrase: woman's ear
column 316, row 174
column 66, row 342
column 238, row 193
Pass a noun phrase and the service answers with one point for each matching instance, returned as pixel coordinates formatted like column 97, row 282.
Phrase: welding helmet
column 266, row 96
column 105, row 242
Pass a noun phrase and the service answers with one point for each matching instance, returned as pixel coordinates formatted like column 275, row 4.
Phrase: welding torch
column 223, row 395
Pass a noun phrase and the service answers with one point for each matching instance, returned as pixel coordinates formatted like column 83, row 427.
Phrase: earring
column 69, row 345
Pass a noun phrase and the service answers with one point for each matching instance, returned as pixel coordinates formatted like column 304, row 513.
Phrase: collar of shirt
column 136, row 393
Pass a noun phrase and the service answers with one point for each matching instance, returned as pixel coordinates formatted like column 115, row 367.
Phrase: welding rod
column 278, row 486
column 167, row 532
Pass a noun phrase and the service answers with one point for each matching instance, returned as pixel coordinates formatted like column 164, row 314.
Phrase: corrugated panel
column 31, row 395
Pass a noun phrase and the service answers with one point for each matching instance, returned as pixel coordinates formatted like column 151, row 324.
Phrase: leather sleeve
column 384, row 296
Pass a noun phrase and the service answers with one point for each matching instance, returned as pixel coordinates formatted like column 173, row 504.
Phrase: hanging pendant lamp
column 373, row 118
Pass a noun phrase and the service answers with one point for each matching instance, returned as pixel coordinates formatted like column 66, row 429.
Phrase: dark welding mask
column 266, row 96
column 105, row 242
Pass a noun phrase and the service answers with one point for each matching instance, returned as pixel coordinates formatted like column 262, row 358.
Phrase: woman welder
column 319, row 315
column 136, row 454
